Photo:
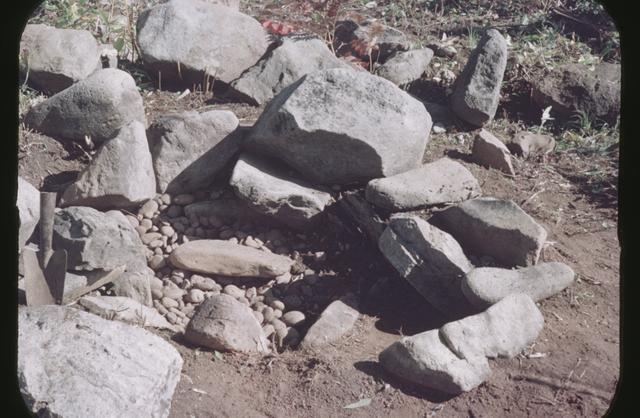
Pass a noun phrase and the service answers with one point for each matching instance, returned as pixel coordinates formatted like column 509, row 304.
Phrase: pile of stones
column 223, row 266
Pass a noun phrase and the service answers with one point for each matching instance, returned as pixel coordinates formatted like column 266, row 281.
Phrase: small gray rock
column 204, row 283
column 119, row 176
column 223, row 323
column 489, row 151
column 485, row 286
column 477, row 89
column 384, row 40
column 135, row 285
column 293, row 318
column 189, row 148
column 270, row 191
column 496, row 228
column 503, row 330
column 195, row 296
column 442, row 181
column 424, row 359
column 334, row 322
column 97, row 106
column 405, row 67
column 28, row 203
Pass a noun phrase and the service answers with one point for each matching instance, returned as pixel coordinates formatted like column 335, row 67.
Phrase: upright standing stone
column 489, row 151
column 477, row 90
column 28, row 203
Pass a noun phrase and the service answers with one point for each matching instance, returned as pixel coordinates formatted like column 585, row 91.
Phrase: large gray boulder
column 292, row 59
column 271, row 192
column 503, row 330
column 119, row 176
column 222, row 323
column 52, row 59
column 489, row 151
column 189, row 148
column 75, row 364
column 442, row 181
column 341, row 126
column 573, row 88
column 97, row 106
column 423, row 359
column 496, row 228
column 97, row 240
column 430, row 259
column 405, row 67
column 477, row 89
column 186, row 40
column 228, row 259
column 28, row 203
column 334, row 322
column 485, row 286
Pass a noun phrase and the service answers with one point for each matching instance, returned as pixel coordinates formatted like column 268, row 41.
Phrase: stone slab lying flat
column 494, row 227
column 442, row 181
column 75, row 364
column 485, row 286
column 228, row 259
column 125, row 309
column 334, row 322
column 503, row 330
column 425, row 360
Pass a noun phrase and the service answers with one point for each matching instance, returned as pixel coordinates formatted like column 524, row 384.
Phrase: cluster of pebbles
column 281, row 305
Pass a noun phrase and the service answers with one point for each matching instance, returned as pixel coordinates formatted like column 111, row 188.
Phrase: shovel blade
column 36, row 288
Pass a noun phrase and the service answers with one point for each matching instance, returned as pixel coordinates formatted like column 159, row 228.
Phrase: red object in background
column 276, row 27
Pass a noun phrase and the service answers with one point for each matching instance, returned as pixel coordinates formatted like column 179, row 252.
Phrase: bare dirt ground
column 571, row 370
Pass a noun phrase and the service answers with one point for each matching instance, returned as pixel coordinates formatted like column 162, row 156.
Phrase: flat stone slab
column 189, row 149
column 28, row 203
column 442, row 181
column 125, row 309
column 283, row 66
column 76, row 364
column 228, row 259
column 272, row 192
column 119, row 176
column 52, row 59
column 358, row 128
column 430, row 259
column 476, row 91
column 503, row 330
column 97, row 107
column 222, row 323
column 496, row 228
column 405, row 67
column 485, row 286
column 334, row 322
column 423, row 359
column 489, row 151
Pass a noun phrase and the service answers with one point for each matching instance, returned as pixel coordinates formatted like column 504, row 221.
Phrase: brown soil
column 571, row 370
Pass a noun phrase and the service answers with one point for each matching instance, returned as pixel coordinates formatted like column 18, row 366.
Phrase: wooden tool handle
column 47, row 205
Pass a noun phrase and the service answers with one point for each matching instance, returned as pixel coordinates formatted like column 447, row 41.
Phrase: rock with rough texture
column 485, row 286
column 423, row 359
column 442, row 181
column 228, row 208
column 76, row 364
column 135, row 285
column 573, row 88
column 97, row 240
column 496, row 228
column 405, row 67
column 189, row 148
column 353, row 37
column 292, row 59
column 119, row 176
column 477, row 89
column 97, row 107
column 503, row 330
column 489, row 151
column 341, row 126
column 52, row 59
column 28, row 203
column 225, row 258
column 334, row 322
column 222, row 323
column 430, row 259
column 234, row 4
column 272, row 192
column 188, row 40
column 526, row 144
column 126, row 310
